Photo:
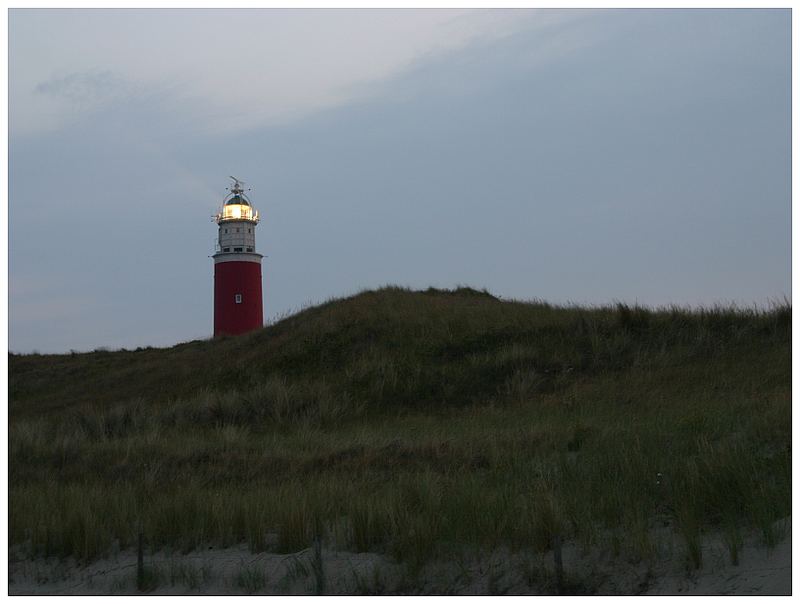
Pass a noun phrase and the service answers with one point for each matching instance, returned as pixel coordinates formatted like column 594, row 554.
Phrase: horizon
column 612, row 306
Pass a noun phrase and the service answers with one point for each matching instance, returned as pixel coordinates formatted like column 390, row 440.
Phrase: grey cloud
column 83, row 87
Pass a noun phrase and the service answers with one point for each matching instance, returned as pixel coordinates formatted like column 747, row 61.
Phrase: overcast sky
column 574, row 156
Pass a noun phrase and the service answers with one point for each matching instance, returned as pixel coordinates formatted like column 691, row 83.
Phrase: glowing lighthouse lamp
column 237, row 267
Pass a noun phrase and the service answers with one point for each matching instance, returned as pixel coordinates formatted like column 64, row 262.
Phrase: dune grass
column 412, row 423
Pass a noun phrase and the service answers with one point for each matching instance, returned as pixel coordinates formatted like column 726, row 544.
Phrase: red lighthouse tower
column 237, row 267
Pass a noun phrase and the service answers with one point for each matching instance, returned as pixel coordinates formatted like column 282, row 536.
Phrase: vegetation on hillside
column 412, row 423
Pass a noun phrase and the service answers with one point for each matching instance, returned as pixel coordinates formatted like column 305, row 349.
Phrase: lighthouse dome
column 237, row 200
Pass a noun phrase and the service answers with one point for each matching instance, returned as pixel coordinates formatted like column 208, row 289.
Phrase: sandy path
column 760, row 571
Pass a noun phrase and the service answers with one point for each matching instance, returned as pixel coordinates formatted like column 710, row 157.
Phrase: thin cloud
column 280, row 66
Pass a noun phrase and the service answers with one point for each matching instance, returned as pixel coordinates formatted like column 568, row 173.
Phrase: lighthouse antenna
column 237, row 184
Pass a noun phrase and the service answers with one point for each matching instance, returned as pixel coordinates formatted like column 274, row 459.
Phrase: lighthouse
column 237, row 267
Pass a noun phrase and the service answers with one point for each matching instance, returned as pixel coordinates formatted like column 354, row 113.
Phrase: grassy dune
column 413, row 423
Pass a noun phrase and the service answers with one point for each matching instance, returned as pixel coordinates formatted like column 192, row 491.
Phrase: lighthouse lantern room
column 237, row 267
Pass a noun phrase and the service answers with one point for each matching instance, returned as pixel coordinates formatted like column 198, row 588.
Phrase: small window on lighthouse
column 238, row 298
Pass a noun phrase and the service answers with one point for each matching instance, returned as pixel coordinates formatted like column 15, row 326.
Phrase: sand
column 760, row 571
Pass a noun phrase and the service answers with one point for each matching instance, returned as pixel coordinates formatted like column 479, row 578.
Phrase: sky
column 574, row 156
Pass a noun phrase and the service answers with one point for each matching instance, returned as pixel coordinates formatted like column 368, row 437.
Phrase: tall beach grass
column 412, row 423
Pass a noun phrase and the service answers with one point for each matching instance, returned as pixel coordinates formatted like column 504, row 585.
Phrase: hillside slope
column 395, row 347
column 409, row 423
